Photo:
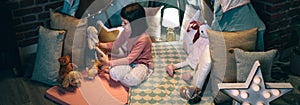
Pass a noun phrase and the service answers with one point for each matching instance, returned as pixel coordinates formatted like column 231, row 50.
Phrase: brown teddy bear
column 65, row 67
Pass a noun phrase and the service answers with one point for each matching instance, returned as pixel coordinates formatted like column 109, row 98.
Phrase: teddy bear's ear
column 60, row 59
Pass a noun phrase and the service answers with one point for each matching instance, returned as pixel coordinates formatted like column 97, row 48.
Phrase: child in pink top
column 133, row 63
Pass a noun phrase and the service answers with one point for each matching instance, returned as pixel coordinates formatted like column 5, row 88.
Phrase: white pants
column 130, row 75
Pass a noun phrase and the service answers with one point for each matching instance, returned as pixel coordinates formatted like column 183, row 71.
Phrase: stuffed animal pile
column 67, row 75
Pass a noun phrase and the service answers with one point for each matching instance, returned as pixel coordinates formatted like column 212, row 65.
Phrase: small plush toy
column 65, row 66
column 93, row 71
column 72, row 80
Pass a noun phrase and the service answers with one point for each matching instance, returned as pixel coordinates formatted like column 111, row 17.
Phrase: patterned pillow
column 245, row 60
column 223, row 62
column 49, row 49
column 75, row 39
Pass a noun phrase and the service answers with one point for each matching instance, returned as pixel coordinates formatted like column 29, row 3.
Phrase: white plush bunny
column 195, row 58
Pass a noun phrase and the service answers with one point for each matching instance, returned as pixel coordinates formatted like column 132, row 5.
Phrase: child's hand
column 102, row 45
column 105, row 60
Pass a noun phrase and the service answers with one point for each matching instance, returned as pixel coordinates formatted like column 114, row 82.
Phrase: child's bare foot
column 170, row 70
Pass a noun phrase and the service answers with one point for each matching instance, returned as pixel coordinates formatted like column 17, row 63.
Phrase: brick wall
column 279, row 17
column 28, row 15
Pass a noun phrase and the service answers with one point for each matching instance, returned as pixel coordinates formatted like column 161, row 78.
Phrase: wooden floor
column 20, row 91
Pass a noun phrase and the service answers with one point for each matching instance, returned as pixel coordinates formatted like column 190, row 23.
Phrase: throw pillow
column 75, row 39
column 245, row 60
column 187, row 41
column 153, row 15
column 224, row 66
column 228, row 4
column 70, row 7
column 221, row 42
column 108, row 35
column 190, row 14
column 49, row 49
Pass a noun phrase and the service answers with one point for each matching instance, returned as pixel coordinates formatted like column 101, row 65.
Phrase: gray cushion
column 49, row 49
column 75, row 40
column 245, row 61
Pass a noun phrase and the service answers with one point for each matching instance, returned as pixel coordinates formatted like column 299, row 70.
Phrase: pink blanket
column 92, row 92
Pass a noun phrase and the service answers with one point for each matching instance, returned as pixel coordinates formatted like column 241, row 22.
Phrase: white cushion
column 187, row 37
column 153, row 15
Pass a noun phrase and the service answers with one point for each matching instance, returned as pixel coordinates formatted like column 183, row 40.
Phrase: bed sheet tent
column 242, row 17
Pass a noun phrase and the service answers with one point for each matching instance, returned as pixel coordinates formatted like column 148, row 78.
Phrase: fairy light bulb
column 235, row 92
column 275, row 92
column 257, row 80
column 246, row 103
column 256, row 88
column 244, row 95
column 260, row 103
column 266, row 94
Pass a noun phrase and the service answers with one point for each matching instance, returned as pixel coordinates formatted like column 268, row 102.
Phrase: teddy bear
column 72, row 80
column 65, row 67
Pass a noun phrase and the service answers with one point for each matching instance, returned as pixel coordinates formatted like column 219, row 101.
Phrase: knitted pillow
column 245, row 60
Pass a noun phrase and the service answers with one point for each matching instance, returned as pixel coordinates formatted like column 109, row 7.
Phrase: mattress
column 102, row 90
column 160, row 88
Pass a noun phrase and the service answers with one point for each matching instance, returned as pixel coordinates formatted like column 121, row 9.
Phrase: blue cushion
column 49, row 49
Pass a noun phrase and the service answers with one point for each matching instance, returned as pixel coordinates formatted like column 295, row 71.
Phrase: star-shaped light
column 255, row 91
